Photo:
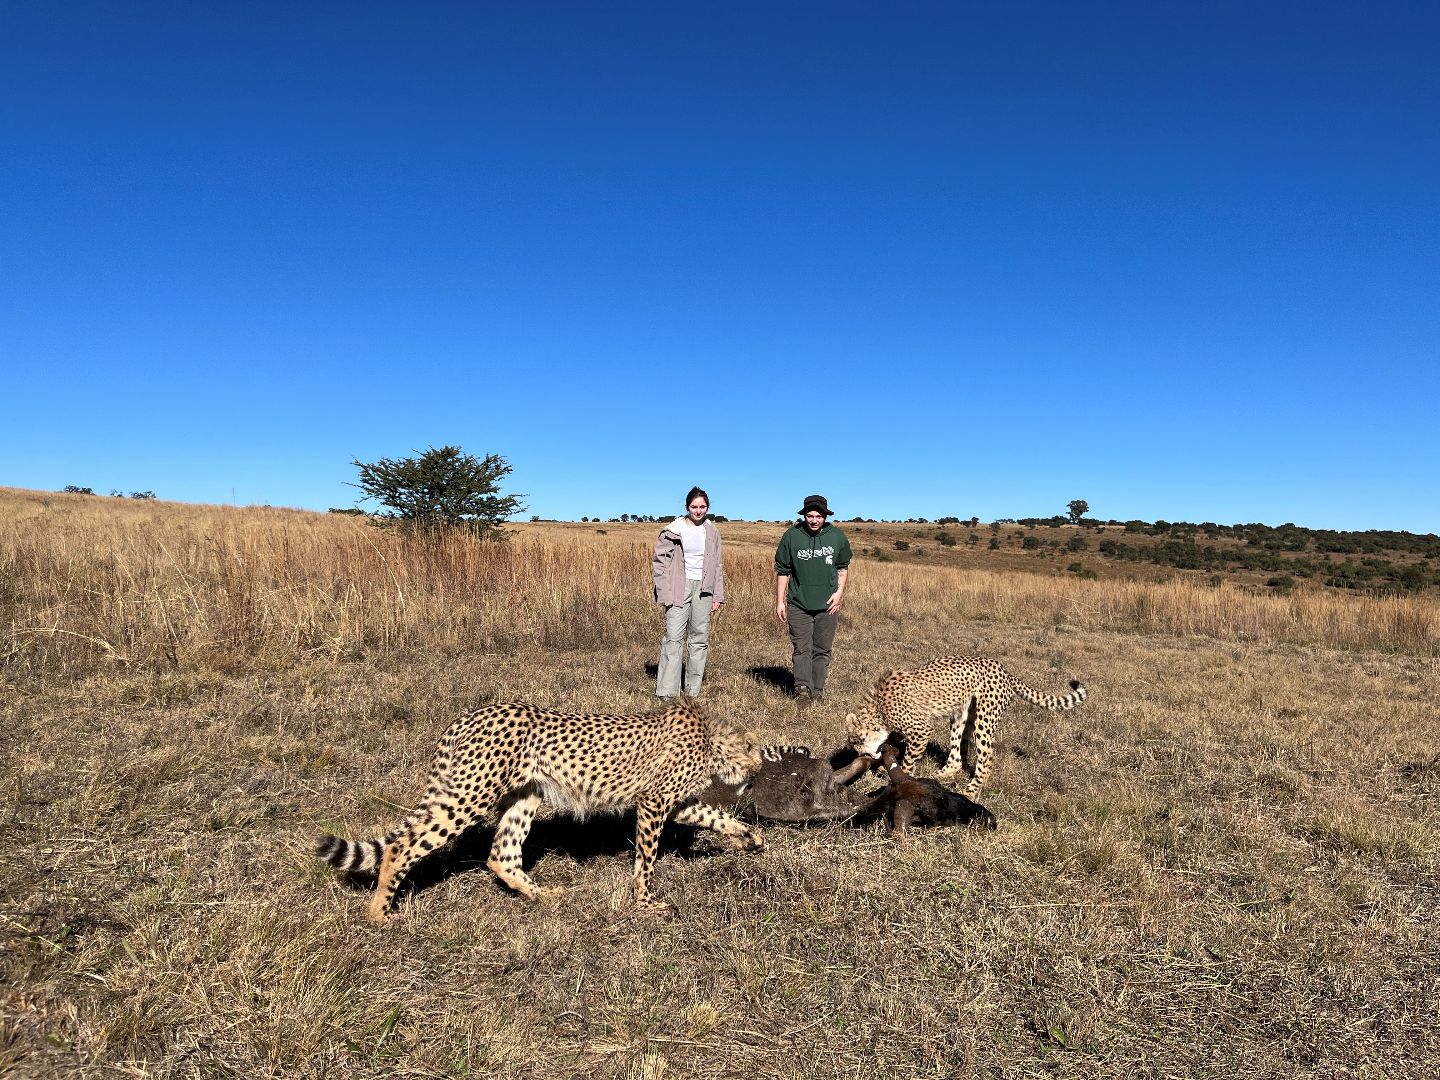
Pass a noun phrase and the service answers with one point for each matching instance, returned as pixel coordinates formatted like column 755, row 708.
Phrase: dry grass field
column 1224, row 863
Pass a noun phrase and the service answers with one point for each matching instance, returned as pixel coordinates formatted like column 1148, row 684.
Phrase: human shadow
column 782, row 678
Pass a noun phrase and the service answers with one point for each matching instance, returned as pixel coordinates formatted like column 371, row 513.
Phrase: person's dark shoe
column 802, row 698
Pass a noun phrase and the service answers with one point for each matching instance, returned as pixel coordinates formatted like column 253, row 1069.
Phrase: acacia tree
column 443, row 487
column 1078, row 509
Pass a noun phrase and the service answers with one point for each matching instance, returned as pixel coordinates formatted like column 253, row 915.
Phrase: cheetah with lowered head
column 971, row 690
column 511, row 757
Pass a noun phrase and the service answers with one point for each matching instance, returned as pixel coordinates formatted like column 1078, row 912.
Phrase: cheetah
column 511, row 757
column 971, row 690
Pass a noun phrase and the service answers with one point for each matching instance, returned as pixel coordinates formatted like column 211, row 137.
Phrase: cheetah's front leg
column 650, row 817
column 708, row 817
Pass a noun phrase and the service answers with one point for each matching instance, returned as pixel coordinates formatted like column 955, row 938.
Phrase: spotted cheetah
column 971, row 690
column 511, row 757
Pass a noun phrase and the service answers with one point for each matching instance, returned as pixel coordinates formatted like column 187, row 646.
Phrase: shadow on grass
column 782, row 678
column 602, row 836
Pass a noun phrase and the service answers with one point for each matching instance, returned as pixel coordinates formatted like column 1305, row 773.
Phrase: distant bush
column 1030, row 543
column 352, row 511
column 444, row 487
column 994, row 543
column 945, row 539
column 902, row 545
column 1281, row 581
column 71, row 489
column 142, row 494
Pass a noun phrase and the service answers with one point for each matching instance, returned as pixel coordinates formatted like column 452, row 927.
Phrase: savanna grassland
column 1224, row 863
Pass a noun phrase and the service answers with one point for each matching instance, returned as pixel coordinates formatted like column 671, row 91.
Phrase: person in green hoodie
column 811, row 565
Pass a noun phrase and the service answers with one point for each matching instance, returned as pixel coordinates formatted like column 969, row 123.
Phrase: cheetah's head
column 866, row 733
column 735, row 752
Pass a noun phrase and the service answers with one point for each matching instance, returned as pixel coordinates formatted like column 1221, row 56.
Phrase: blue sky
column 925, row 259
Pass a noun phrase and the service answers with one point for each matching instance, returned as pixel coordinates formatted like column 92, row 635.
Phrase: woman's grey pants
column 693, row 614
column 812, row 633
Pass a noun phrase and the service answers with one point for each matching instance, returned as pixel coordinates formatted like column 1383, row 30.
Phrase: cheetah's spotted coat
column 971, row 690
column 510, row 757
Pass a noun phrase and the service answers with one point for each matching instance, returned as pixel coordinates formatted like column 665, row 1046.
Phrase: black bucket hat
column 815, row 502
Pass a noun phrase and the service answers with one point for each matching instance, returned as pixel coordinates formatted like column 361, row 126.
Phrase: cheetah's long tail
column 353, row 856
column 1051, row 701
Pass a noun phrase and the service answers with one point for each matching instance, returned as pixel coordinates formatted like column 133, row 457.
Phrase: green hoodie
column 812, row 563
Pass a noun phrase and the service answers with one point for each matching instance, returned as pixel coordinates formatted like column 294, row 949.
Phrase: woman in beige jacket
column 690, row 584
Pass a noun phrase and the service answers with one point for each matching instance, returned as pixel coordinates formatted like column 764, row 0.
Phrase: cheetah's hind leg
column 440, row 820
column 442, row 817
column 961, row 754
column 506, row 860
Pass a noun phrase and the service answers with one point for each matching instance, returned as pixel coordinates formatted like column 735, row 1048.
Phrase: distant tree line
column 75, row 489
column 1368, row 573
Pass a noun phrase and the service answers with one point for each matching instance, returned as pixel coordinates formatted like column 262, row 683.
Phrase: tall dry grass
column 87, row 581
column 1224, row 863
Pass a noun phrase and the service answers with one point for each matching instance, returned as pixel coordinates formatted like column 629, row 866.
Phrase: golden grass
column 91, row 581
column 1223, row 863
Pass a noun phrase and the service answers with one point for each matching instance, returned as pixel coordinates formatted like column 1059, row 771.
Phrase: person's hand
column 833, row 604
column 780, row 612
column 715, row 606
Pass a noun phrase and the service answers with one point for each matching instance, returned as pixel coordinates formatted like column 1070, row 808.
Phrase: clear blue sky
column 924, row 259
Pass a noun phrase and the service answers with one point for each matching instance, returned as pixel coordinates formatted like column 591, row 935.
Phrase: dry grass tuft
column 1224, row 862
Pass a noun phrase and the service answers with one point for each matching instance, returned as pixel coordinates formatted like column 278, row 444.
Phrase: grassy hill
column 1224, row 862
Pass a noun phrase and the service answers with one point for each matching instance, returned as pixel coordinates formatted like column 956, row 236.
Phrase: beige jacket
column 667, row 565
